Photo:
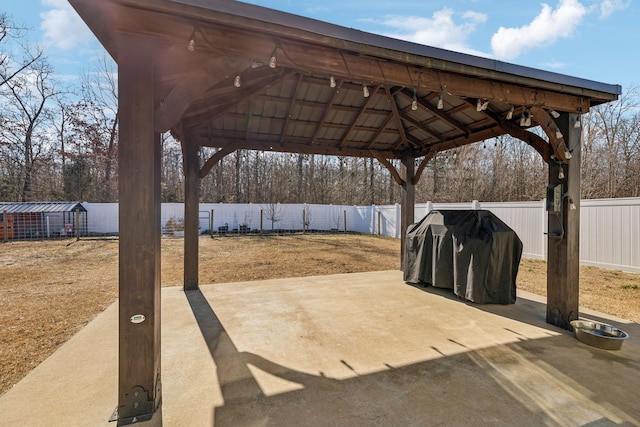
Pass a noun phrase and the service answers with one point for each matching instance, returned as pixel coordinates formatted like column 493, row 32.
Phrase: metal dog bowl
column 599, row 335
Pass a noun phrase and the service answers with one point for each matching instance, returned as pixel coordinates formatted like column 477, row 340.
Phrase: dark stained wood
column 392, row 169
column 192, row 94
column 396, row 116
column 191, row 210
column 549, row 127
column 408, row 200
column 359, row 115
column 139, row 389
column 563, row 251
column 423, row 164
column 213, row 160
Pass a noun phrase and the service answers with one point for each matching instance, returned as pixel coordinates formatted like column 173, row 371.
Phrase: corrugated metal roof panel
column 40, row 207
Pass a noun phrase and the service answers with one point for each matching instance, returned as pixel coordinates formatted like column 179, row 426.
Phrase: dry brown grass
column 49, row 290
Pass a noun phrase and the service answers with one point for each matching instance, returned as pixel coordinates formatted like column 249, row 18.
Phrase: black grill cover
column 472, row 252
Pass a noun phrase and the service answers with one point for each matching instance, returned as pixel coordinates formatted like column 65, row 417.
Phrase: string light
column 191, row 45
column 365, row 90
column 237, row 82
column 332, row 81
column 561, row 173
column 554, row 113
column 577, row 124
column 440, row 102
column 559, row 134
column 273, row 60
column 510, row 113
column 567, row 154
column 414, row 103
column 525, row 119
column 481, row 106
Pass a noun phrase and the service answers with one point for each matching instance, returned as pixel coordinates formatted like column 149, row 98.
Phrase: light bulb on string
column 365, row 90
column 510, row 113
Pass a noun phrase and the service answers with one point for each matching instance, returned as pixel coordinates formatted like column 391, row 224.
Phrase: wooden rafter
column 292, row 102
column 220, row 104
column 359, row 115
column 396, row 116
column 381, row 129
column 327, row 110
column 406, row 117
column 439, row 114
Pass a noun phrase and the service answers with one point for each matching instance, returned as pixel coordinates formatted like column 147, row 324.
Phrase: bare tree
column 27, row 96
column 274, row 213
column 12, row 65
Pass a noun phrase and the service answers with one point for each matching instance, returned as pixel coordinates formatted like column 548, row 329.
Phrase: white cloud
column 62, row 26
column 607, row 7
column 440, row 30
column 546, row 28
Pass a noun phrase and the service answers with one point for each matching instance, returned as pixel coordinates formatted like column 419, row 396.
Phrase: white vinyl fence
column 609, row 229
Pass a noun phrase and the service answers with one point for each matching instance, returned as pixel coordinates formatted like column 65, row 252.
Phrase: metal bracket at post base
column 137, row 408
column 554, row 317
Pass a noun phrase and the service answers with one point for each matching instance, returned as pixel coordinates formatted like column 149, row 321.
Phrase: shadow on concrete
column 531, row 382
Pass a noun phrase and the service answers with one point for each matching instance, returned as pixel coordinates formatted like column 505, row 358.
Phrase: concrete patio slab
column 353, row 349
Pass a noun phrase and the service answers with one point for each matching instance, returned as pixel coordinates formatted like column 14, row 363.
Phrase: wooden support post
column 191, row 209
column 139, row 155
column 345, row 220
column 408, row 200
column 563, row 249
column 211, row 224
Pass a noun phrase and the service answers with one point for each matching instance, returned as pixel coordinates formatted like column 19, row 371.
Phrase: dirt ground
column 49, row 290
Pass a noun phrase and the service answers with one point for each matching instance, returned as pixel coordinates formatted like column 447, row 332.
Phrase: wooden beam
column 213, row 160
column 550, row 127
column 343, row 63
column 364, row 108
column 139, row 158
column 292, row 103
column 387, row 164
column 381, row 129
column 439, row 114
column 327, row 109
column 423, row 164
column 563, row 245
column 192, row 87
column 229, row 97
column 420, row 126
column 516, row 131
column 191, row 213
column 396, row 116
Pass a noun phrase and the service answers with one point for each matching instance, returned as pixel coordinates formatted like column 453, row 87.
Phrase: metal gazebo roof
column 232, row 76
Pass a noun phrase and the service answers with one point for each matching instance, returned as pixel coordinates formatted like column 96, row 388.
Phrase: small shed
column 42, row 220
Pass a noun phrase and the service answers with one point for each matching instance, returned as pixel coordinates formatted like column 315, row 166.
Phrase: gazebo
column 231, row 76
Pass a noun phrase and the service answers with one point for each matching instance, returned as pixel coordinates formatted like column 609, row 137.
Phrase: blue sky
column 592, row 39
